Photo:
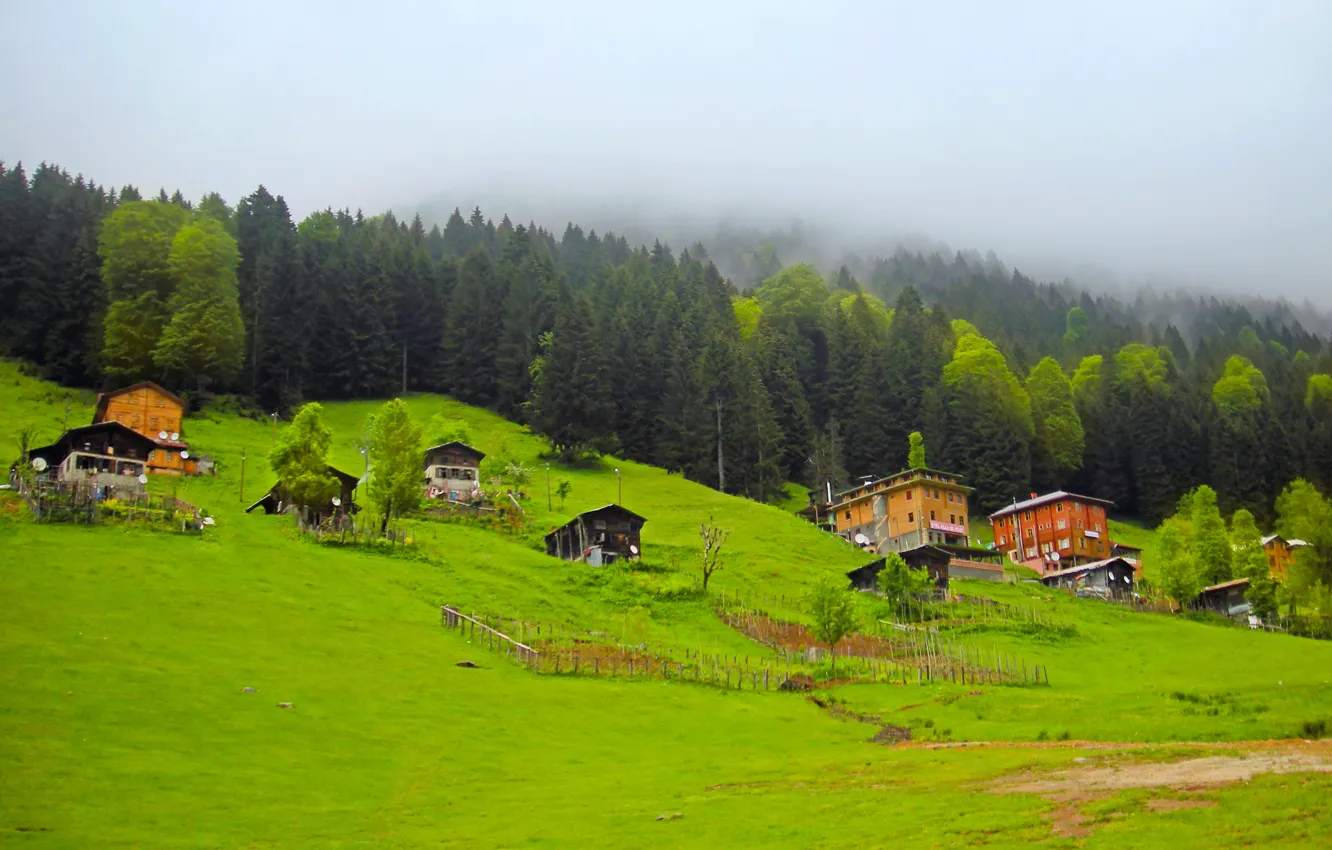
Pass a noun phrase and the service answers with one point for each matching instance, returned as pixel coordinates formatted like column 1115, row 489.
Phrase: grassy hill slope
column 123, row 656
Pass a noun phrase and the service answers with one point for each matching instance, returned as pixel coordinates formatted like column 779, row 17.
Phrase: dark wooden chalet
column 276, row 501
column 602, row 536
column 106, row 454
column 1226, row 598
column 1111, row 578
column 932, row 559
column 452, row 471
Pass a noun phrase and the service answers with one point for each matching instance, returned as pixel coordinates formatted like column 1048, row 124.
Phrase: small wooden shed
column 929, row 558
column 598, row 537
column 1226, row 598
column 276, row 499
column 1111, row 578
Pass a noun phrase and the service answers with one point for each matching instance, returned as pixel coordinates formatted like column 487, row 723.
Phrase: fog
column 1163, row 142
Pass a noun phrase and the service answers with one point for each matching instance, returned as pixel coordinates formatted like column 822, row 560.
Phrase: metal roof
column 1056, row 496
column 1094, row 565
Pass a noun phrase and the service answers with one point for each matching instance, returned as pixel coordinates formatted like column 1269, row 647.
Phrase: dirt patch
column 1164, row 804
column 891, row 735
column 1192, row 773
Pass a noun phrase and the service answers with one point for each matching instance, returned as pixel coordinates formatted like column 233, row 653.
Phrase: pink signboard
column 949, row 527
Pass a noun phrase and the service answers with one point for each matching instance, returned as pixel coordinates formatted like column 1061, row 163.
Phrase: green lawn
column 123, row 655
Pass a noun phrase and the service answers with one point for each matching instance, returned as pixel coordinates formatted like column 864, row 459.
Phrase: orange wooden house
column 1053, row 532
column 915, row 507
column 1280, row 554
column 156, row 413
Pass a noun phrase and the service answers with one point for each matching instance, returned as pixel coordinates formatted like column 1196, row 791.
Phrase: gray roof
column 1056, row 496
column 1094, row 565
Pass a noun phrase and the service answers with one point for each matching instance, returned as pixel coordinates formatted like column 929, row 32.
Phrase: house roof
column 103, row 399
column 1048, row 498
column 61, row 448
column 611, row 508
column 841, row 496
column 1225, row 585
column 1086, row 568
column 873, row 568
column 1292, row 542
column 457, row 444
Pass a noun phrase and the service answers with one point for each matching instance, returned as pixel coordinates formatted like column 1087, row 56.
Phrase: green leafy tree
column 1304, row 513
column 1075, row 327
column 1211, row 543
column 1176, row 572
column 899, row 583
column 135, row 245
column 1059, row 438
column 987, row 427
column 447, row 429
column 833, row 611
column 916, row 453
column 204, row 341
column 1250, row 562
column 300, row 459
column 395, row 461
column 562, row 489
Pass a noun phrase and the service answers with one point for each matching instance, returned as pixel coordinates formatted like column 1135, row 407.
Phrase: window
column 950, row 497
column 911, row 517
column 161, row 402
column 1059, row 508
column 931, row 516
column 908, row 495
column 848, row 514
column 1064, row 543
column 152, row 423
column 1062, row 524
column 952, row 519
column 1028, row 516
column 936, row 493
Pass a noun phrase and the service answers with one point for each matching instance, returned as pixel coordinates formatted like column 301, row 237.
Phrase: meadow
column 125, row 656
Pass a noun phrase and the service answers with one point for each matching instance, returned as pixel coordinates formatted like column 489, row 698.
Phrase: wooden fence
column 82, row 502
column 549, row 649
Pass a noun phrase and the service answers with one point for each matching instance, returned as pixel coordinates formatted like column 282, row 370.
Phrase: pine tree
column 571, row 400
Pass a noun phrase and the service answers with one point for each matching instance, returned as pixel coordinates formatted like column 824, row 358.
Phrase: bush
column 1313, row 729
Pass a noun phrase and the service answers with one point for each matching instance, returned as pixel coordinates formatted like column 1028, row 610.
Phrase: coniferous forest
column 789, row 373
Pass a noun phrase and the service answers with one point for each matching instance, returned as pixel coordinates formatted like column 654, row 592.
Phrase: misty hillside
column 749, row 251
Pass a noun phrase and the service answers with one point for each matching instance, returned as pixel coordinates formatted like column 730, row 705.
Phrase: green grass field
column 123, row 655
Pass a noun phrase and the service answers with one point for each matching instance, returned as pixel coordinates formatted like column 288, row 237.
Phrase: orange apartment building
column 1280, row 555
column 147, row 409
column 913, row 508
column 1053, row 532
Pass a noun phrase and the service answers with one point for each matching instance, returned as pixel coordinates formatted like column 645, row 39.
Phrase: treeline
column 604, row 346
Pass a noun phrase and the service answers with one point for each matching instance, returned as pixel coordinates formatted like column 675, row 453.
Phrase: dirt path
column 1071, row 788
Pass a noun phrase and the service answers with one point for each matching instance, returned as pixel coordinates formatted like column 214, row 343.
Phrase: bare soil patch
column 1205, row 772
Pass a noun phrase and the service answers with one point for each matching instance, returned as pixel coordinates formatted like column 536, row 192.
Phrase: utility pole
column 273, row 439
column 242, row 483
column 548, row 504
column 619, row 484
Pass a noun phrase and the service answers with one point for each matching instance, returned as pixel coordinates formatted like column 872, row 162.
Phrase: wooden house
column 1052, row 532
column 597, row 537
column 1280, row 554
column 276, row 499
column 1110, row 578
column 976, row 563
column 106, row 454
column 1226, row 598
column 452, row 471
column 156, row 413
column 916, row 507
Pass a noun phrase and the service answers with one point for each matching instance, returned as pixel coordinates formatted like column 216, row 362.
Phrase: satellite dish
column 161, row 435
column 175, row 435
column 184, row 455
column 861, row 539
column 633, row 550
column 1054, row 556
column 39, row 464
column 143, row 479
column 337, row 502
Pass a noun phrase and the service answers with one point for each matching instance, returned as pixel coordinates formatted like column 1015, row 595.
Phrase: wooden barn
column 452, row 471
column 598, row 537
column 106, row 454
column 1226, row 598
column 929, row 558
column 1111, row 578
column 275, row 500
column 157, row 414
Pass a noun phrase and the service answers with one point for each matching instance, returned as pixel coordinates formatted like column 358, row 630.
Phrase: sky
column 1179, row 142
